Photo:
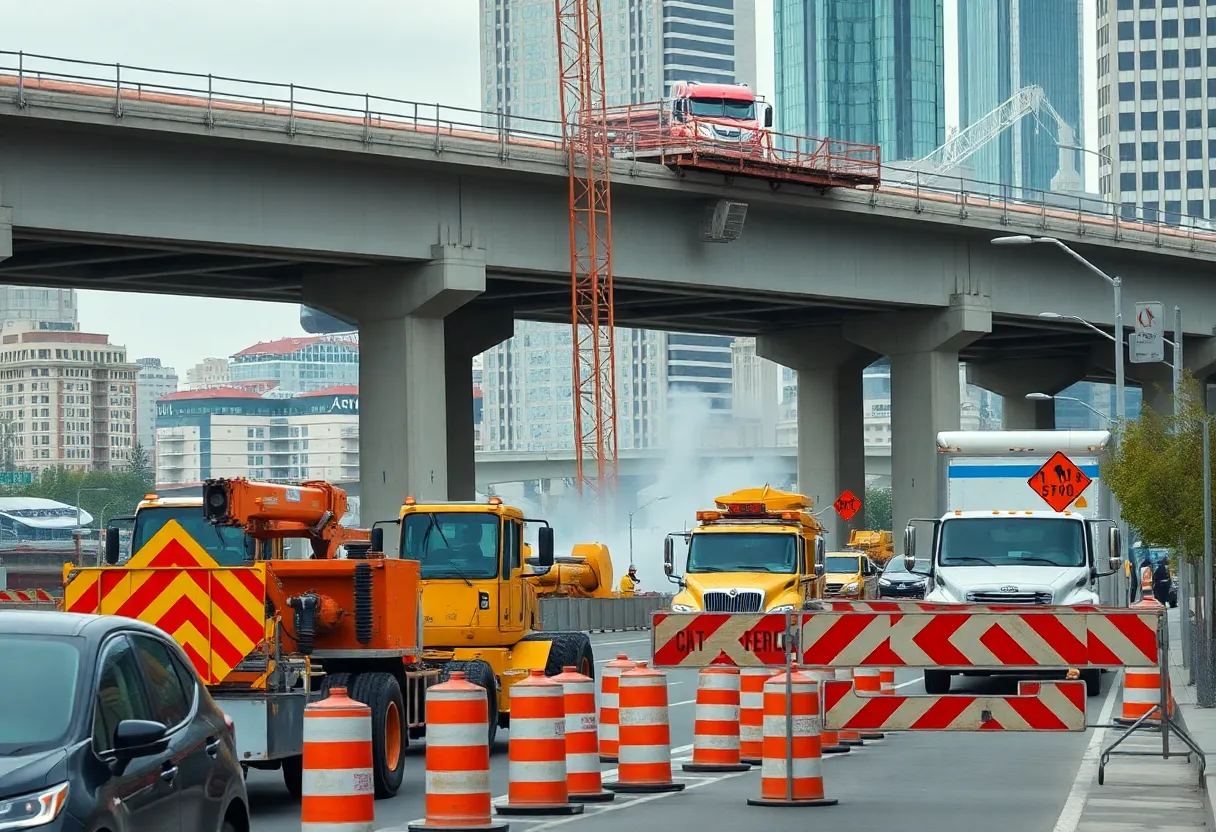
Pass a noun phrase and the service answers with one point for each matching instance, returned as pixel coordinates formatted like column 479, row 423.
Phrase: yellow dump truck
column 760, row 550
column 878, row 546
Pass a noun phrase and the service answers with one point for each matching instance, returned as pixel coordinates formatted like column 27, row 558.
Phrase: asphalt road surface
column 923, row 782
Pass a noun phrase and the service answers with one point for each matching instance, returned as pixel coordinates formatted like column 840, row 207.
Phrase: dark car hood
column 28, row 772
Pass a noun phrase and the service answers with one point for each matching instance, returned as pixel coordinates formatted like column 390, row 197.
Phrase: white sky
column 419, row 50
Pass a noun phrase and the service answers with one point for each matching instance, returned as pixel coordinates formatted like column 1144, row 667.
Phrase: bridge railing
column 217, row 100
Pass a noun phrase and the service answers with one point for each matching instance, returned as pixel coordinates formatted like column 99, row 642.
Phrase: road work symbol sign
column 847, row 505
column 1059, row 482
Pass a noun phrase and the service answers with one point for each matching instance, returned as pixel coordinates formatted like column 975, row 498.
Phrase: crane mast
column 580, row 42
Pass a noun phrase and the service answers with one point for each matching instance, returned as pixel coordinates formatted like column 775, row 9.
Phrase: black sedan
column 897, row 582
column 104, row 724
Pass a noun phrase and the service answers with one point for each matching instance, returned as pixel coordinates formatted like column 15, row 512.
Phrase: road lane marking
column 1074, row 805
column 628, row 641
column 683, row 702
column 906, row 684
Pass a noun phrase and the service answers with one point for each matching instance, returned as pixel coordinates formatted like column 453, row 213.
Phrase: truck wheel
column 382, row 693
column 293, row 776
column 1093, row 681
column 335, row 680
column 481, row 674
column 567, row 650
column 937, row 682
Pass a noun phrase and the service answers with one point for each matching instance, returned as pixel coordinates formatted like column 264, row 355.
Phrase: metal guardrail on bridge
column 597, row 615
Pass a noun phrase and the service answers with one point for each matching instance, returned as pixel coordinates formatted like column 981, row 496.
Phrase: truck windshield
column 452, row 544
column 227, row 544
column 984, row 541
column 742, row 552
column 842, row 564
column 722, row 108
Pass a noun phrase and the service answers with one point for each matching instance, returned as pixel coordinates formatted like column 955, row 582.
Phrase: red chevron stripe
column 884, row 656
column 184, row 611
column 934, row 639
column 991, row 725
column 1007, row 651
column 253, row 581
column 89, row 600
column 943, row 712
column 253, row 628
column 698, row 628
column 1036, row 713
column 1053, row 631
column 151, row 589
column 110, row 579
column 1142, row 637
column 875, row 713
column 839, row 636
column 200, row 664
column 173, row 554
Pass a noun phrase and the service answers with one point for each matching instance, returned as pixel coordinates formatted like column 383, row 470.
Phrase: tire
column 567, row 650
column 382, row 693
column 293, row 776
column 481, row 674
column 335, row 680
column 1093, row 681
column 937, row 682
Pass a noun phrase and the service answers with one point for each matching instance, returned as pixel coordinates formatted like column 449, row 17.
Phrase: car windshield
column 452, row 544
column 742, row 552
column 227, row 544
column 847, row 564
column 1039, row 541
column 896, row 566
column 722, row 108
column 36, row 712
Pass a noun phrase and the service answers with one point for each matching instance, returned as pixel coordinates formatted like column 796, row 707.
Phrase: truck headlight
column 681, row 608
column 34, row 809
column 783, row 608
column 850, row 587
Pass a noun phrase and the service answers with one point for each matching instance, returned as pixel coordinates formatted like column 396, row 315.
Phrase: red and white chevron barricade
column 26, row 599
column 961, row 637
column 904, row 605
column 1038, row 706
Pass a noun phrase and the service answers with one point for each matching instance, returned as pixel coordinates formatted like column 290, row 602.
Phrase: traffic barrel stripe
column 751, row 712
column 333, row 790
column 715, row 744
column 537, row 752
column 609, row 736
column 583, row 780
column 644, row 764
column 791, row 728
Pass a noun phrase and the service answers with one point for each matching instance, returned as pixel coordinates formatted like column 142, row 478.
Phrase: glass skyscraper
column 869, row 71
column 1005, row 45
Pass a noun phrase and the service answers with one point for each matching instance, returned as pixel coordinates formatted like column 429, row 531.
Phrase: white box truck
column 998, row 541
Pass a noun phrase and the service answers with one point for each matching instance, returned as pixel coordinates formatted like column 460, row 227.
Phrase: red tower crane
column 580, row 46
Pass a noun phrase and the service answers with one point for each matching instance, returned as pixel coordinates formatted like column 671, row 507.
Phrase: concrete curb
column 1209, row 777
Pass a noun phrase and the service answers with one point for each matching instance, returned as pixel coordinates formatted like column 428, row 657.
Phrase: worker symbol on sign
column 847, row 505
column 1059, row 482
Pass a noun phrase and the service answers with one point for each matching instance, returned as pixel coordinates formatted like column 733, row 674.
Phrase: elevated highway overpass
column 433, row 233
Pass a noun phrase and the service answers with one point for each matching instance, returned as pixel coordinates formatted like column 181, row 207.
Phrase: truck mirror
column 377, row 542
column 112, row 544
column 544, row 546
column 669, row 557
column 768, row 115
column 910, row 547
column 1116, row 547
column 821, row 553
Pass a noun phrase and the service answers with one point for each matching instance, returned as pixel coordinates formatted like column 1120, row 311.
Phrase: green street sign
column 16, row 477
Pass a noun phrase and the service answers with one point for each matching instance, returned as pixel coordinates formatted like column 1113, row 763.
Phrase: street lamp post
column 1047, row 397
column 635, row 511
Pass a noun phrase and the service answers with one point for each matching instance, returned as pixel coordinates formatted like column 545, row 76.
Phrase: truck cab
column 727, row 113
column 228, row 545
column 850, row 575
column 760, row 550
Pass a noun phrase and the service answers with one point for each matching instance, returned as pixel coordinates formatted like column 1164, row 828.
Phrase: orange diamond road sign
column 216, row 613
column 1059, row 482
column 847, row 505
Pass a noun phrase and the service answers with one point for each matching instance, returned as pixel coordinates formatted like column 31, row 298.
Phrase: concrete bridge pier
column 831, row 422
column 403, row 424
column 467, row 332
column 925, row 396
column 1012, row 379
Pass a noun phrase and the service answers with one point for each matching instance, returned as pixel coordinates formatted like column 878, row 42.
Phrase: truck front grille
column 834, row 589
column 744, row 601
column 1031, row 598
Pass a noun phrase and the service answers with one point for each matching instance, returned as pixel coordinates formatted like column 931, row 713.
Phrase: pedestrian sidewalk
column 1149, row 792
column 1200, row 723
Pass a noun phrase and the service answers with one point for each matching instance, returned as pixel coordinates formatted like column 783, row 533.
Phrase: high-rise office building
column 862, row 71
column 153, row 381
column 647, row 45
column 1157, row 107
column 1004, row 46
column 28, row 303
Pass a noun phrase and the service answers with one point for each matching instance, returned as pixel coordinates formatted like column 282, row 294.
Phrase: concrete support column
column 403, row 424
column 6, row 232
column 467, row 332
column 925, row 396
column 831, row 428
column 1013, row 379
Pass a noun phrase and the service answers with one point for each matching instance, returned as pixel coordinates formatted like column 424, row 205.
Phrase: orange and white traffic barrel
column 337, row 792
column 867, row 681
column 751, row 712
column 583, row 780
column 644, row 756
column 536, row 754
column 715, row 739
column 1141, row 693
column 829, row 741
column 886, row 681
column 791, row 735
column 848, row 738
column 457, row 759
column 609, row 706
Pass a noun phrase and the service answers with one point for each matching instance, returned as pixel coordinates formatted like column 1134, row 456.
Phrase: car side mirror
column 377, row 540
column 544, row 546
column 910, row 547
column 139, row 738
column 112, row 545
column 669, row 557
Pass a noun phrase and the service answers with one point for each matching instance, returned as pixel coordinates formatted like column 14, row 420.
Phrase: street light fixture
column 635, row 511
column 1047, row 397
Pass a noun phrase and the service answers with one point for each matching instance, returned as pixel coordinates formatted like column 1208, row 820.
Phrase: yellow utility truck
column 851, row 576
column 760, row 550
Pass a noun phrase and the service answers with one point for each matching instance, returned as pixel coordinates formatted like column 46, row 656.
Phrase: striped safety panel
column 1038, row 706
column 26, row 596
column 217, row 614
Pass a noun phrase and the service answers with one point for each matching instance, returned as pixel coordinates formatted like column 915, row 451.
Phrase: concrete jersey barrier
column 601, row 614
